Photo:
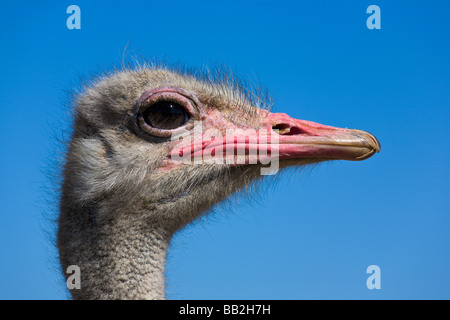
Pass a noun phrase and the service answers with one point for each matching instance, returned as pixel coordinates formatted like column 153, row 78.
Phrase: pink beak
column 300, row 139
column 279, row 137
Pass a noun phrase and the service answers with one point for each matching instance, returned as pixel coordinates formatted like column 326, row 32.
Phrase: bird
column 155, row 147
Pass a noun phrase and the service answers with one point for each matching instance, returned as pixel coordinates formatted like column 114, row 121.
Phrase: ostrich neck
column 121, row 259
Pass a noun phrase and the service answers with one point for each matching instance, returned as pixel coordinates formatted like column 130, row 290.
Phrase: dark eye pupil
column 165, row 115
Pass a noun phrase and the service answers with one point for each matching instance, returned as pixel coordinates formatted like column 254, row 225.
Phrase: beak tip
column 374, row 142
column 369, row 141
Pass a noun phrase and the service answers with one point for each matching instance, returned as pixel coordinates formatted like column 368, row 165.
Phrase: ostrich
column 124, row 190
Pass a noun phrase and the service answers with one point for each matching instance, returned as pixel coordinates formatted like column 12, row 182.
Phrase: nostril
column 287, row 130
column 295, row 131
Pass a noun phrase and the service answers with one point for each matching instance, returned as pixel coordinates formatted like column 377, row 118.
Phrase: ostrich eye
column 165, row 115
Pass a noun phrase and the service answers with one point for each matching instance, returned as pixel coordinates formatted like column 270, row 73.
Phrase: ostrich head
column 152, row 149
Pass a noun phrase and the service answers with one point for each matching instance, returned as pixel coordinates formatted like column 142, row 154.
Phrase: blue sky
column 312, row 234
